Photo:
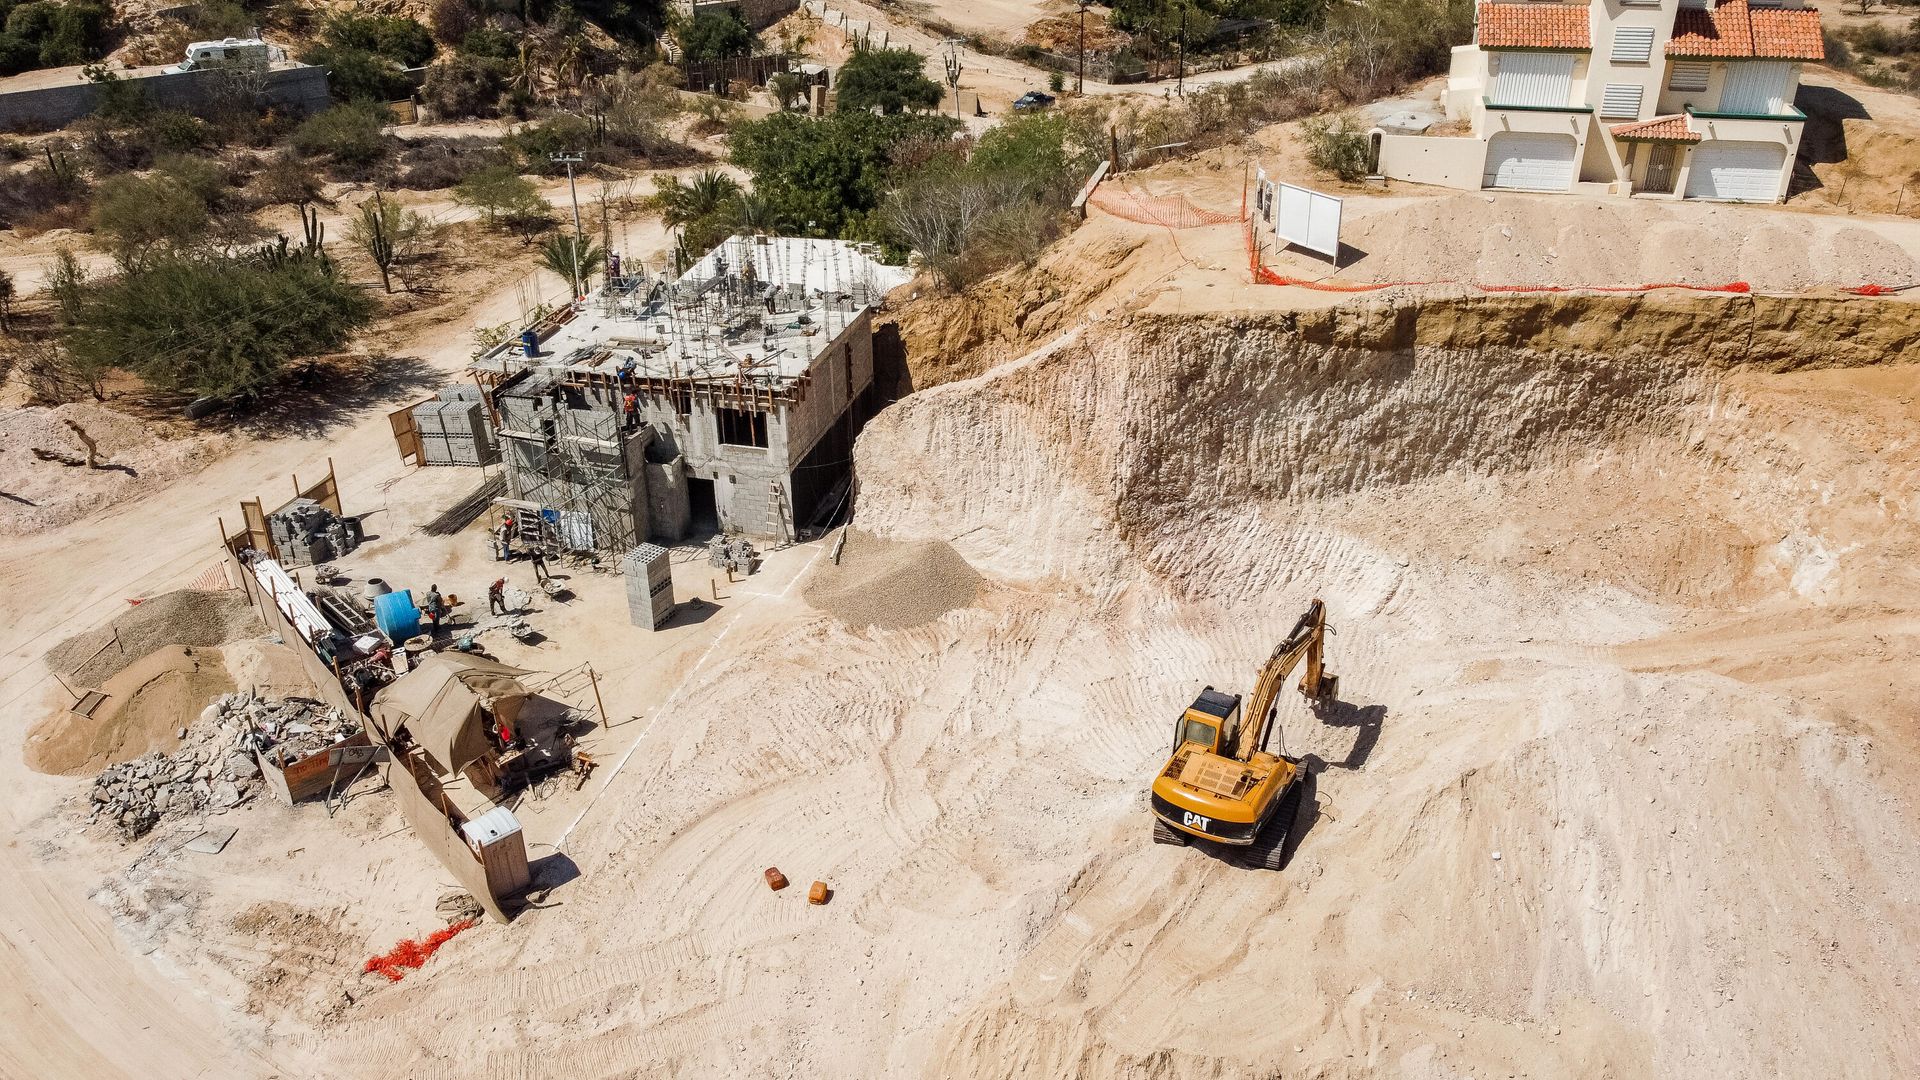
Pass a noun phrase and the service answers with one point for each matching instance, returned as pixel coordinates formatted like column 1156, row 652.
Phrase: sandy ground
column 1621, row 784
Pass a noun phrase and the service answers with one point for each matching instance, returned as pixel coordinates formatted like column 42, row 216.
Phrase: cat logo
column 1194, row 821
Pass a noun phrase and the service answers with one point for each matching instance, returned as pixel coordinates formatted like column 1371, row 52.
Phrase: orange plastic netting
column 411, row 954
column 1171, row 211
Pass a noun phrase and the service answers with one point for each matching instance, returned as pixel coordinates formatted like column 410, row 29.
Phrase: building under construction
column 729, row 398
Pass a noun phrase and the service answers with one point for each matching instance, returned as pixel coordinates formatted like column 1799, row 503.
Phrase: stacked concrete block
column 469, row 440
column 429, row 424
column 306, row 533
column 649, row 577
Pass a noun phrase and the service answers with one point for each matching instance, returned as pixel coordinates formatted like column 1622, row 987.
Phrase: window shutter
column 1621, row 100
column 1632, row 44
column 1689, row 76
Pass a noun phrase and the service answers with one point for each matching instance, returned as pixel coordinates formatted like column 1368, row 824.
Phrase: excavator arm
column 1305, row 641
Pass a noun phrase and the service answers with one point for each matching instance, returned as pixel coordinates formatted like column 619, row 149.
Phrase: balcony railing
column 1792, row 115
column 1491, row 104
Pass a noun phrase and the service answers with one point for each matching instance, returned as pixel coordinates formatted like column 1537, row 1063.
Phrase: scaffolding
column 575, row 464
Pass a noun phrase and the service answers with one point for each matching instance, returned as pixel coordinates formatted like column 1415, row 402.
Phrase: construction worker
column 539, row 557
column 497, row 597
column 434, row 607
column 632, row 402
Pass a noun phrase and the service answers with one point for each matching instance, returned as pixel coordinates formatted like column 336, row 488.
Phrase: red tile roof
column 1659, row 129
column 1732, row 30
column 1533, row 26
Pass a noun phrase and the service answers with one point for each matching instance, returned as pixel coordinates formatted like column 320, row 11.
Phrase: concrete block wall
column 296, row 89
column 669, row 514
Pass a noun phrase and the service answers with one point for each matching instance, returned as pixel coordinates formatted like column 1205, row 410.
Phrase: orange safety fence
column 1171, row 211
column 411, row 954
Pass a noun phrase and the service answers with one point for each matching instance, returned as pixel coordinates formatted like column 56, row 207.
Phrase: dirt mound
column 134, row 457
column 147, row 705
column 892, row 585
column 184, row 617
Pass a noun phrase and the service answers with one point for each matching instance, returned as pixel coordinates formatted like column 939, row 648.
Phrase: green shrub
column 349, row 135
column 233, row 323
column 359, row 75
column 504, row 198
column 489, row 42
column 174, row 132
column 50, row 33
column 537, row 142
column 891, row 80
column 717, row 35
column 135, row 216
column 1337, row 144
column 399, row 39
column 463, row 86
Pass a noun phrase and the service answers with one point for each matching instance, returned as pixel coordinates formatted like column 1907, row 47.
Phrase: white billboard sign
column 1307, row 219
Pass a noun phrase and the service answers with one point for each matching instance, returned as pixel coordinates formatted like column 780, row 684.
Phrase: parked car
column 1032, row 100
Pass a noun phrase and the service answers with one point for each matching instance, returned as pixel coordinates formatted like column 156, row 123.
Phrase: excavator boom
column 1305, row 640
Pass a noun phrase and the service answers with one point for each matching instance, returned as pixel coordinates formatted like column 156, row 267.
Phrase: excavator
column 1221, row 784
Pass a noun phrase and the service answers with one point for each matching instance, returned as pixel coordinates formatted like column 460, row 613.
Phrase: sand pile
column 892, row 585
column 134, row 456
column 184, row 617
column 147, row 706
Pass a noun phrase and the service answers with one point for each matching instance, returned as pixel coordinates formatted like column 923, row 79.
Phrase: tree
column 232, row 323
column 707, row 209
column 890, row 80
column 572, row 258
column 136, row 216
column 387, row 232
column 717, row 35
column 818, row 175
column 452, row 21
column 6, row 301
column 399, row 39
column 503, row 195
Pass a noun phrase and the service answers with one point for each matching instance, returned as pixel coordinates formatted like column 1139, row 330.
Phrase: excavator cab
column 1212, row 721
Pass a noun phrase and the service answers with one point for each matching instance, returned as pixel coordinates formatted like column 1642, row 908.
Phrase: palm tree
column 684, row 202
column 573, row 258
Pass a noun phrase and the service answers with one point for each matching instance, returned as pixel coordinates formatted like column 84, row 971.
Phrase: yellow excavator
column 1221, row 784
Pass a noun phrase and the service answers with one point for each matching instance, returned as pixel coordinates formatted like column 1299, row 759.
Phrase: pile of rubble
column 214, row 770
column 135, row 795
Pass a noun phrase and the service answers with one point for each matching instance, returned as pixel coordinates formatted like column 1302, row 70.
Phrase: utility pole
column 1080, row 80
column 953, row 72
column 570, row 159
column 1180, row 56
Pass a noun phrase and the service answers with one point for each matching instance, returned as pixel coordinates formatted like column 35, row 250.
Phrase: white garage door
column 1529, row 161
column 1736, row 170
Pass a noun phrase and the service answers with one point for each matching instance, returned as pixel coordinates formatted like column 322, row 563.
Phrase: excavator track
column 1164, row 833
column 1269, row 850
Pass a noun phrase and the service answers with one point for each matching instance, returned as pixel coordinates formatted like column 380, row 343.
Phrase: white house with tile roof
column 1688, row 98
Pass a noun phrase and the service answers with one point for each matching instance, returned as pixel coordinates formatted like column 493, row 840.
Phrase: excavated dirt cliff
column 1622, row 588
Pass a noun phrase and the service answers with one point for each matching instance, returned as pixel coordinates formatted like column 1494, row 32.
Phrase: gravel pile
column 184, row 617
column 893, row 585
column 214, row 770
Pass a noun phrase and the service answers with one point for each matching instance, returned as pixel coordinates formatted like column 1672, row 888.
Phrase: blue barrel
column 530, row 343
column 396, row 616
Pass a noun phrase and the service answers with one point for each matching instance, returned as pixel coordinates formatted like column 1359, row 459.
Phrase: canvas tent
column 441, row 703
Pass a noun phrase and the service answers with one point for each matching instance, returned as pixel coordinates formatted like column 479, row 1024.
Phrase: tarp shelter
column 440, row 704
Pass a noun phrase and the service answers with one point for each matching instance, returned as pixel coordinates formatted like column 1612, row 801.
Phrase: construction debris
column 775, row 879
column 819, row 894
column 459, row 906
column 216, row 770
